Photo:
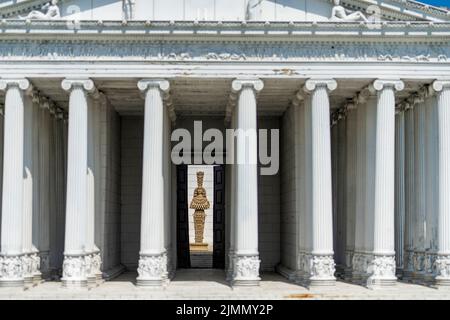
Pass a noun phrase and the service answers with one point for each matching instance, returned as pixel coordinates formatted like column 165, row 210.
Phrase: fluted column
column 383, row 263
column 30, row 186
column 42, row 230
column 442, row 264
column 246, row 262
column 399, row 187
column 351, row 188
column 93, row 259
column 420, row 188
column 11, row 263
column 75, row 254
column 408, row 265
column 431, row 199
column 358, row 269
column 153, row 258
column 321, row 262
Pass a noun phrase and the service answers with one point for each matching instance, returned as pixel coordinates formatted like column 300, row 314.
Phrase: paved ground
column 209, row 284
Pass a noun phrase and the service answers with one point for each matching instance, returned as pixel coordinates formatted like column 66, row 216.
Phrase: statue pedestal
column 199, row 247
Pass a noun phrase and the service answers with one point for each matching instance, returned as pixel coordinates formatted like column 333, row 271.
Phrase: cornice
column 58, row 30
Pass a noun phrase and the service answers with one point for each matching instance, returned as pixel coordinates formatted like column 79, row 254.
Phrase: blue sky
column 437, row 2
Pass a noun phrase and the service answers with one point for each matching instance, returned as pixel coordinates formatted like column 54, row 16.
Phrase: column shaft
column 410, row 197
column 442, row 263
column 322, row 266
column 153, row 259
column 420, row 188
column 382, row 267
column 11, row 263
column 399, row 189
column 75, row 251
column 247, row 263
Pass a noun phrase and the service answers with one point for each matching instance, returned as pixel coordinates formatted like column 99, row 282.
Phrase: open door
column 219, row 218
column 183, row 255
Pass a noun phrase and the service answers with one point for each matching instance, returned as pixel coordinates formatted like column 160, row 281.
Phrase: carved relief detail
column 246, row 267
column 11, row 268
column 153, row 267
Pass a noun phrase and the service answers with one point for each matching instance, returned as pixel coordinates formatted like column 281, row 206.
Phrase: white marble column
column 75, row 254
column 30, row 181
column 11, row 263
column 383, row 263
column 420, row 188
column 351, row 188
column 408, row 265
column 93, row 259
column 231, row 151
column 442, row 264
column 246, row 260
column 35, row 256
column 152, row 268
column 399, row 188
column 431, row 181
column 42, row 228
column 321, row 262
column 358, row 259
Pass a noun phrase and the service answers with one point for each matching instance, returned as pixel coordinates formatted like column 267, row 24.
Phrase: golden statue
column 200, row 203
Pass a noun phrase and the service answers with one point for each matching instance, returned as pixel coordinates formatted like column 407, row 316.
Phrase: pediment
column 224, row 10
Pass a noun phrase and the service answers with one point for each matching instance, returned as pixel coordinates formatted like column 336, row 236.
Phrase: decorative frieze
column 222, row 51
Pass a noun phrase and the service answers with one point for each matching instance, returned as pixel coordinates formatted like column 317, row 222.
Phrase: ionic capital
column 22, row 84
column 85, row 84
column 161, row 84
column 440, row 85
column 381, row 84
column 313, row 84
column 256, row 84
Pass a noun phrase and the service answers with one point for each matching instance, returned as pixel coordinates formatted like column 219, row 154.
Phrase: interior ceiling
column 208, row 96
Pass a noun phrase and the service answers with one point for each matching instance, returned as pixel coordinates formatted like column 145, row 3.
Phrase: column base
column 11, row 271
column 246, row 270
column 382, row 272
column 152, row 270
column 318, row 270
column 28, row 268
column 74, row 272
column 442, row 267
column 374, row 271
column 35, row 268
column 93, row 267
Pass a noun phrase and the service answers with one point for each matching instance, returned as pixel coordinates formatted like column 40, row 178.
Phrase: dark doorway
column 183, row 256
column 183, row 221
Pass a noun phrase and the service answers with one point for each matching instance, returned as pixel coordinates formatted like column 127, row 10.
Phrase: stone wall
column 269, row 210
column 131, row 188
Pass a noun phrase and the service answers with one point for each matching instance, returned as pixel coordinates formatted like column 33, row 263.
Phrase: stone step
column 201, row 260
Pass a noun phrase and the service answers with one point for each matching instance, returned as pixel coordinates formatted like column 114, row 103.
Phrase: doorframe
column 182, row 218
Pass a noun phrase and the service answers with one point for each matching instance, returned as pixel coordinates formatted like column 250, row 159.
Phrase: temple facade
column 354, row 95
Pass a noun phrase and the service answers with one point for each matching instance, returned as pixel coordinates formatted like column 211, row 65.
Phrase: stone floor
column 210, row 284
